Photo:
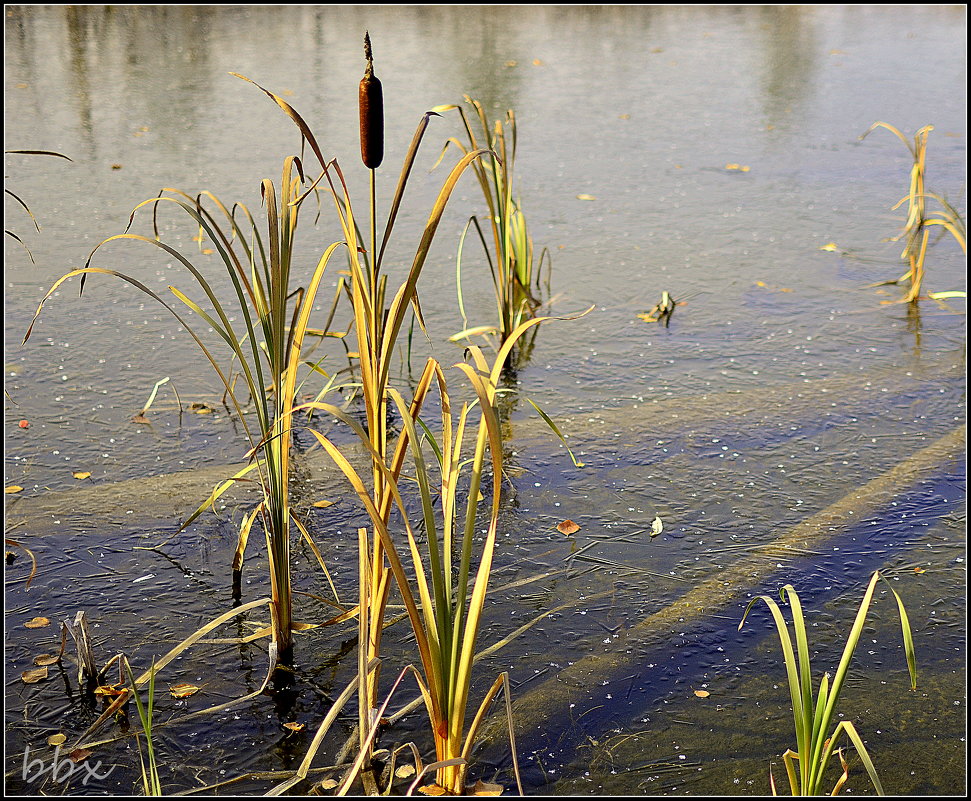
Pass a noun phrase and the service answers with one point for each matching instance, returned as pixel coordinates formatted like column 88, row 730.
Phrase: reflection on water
column 790, row 61
column 776, row 389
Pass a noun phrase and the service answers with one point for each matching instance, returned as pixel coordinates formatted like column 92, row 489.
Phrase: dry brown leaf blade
column 567, row 527
column 46, row 659
column 183, row 690
column 433, row 789
column 37, row 623
column 34, row 675
column 485, row 788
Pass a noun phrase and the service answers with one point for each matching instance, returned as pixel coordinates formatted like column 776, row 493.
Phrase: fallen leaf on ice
column 34, row 675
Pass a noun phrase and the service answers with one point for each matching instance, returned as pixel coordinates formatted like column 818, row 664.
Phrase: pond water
column 709, row 152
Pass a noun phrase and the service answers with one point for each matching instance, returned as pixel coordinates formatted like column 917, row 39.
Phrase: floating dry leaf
column 919, row 570
column 197, row 407
column 586, row 197
column 832, row 247
column 567, row 527
column 433, row 789
column 208, row 252
column 183, row 690
column 702, row 693
column 24, row 424
column 737, row 167
column 141, row 419
column 34, row 675
column 47, row 659
column 80, row 754
column 57, row 739
column 12, row 490
column 37, row 623
column 328, row 784
column 80, row 475
column 537, row 62
column 657, row 526
column 484, row 788
column 295, row 726
column 323, row 504
column 512, row 63
column 405, row 771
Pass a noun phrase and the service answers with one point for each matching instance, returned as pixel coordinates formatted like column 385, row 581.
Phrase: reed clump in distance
column 508, row 246
column 917, row 227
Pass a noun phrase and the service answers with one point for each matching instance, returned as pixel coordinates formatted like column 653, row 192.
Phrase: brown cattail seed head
column 371, row 104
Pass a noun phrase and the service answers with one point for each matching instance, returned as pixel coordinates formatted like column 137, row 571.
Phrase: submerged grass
column 151, row 785
column 813, row 716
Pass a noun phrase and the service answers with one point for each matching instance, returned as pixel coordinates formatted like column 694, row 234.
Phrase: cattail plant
column 377, row 324
column 917, row 227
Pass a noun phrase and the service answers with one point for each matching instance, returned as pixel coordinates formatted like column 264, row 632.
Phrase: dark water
column 704, row 423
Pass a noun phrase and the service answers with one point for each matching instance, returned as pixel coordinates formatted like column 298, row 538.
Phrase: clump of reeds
column 813, row 716
column 451, row 565
column 917, row 227
column 265, row 345
column 508, row 248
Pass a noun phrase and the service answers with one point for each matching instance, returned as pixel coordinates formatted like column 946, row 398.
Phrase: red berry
column 24, row 424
